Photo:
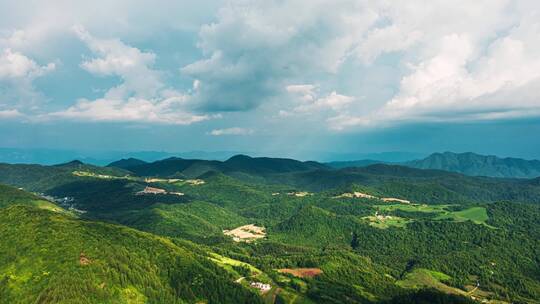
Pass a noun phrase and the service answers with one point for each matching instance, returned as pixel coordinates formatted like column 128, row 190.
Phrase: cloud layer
column 231, row 131
column 140, row 97
column 286, row 60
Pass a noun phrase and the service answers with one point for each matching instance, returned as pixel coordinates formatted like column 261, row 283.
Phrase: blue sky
column 288, row 78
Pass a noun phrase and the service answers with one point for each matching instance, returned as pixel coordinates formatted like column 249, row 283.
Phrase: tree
column 355, row 242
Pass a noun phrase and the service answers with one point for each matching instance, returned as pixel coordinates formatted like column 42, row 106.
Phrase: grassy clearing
column 387, row 221
column 422, row 278
column 246, row 233
column 228, row 263
column 414, row 208
column 476, row 214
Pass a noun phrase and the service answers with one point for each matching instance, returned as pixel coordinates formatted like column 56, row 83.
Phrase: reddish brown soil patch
column 83, row 260
column 302, row 272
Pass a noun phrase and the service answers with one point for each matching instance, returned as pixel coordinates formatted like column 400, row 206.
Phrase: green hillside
column 379, row 234
column 13, row 196
column 47, row 257
column 479, row 165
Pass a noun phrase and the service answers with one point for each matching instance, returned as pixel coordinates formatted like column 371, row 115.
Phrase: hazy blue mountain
column 239, row 164
column 479, row 165
column 355, row 163
column 466, row 163
column 391, row 157
column 126, row 163
column 97, row 157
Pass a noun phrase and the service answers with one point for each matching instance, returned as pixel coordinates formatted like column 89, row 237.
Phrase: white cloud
column 132, row 110
column 307, row 92
column 463, row 80
column 10, row 114
column 456, row 57
column 310, row 102
column 14, row 65
column 231, row 131
column 453, row 61
column 17, row 73
column 141, row 96
column 255, row 47
column 129, row 63
column 34, row 24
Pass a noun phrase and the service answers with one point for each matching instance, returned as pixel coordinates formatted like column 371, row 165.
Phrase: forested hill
column 378, row 234
column 236, row 164
column 466, row 163
column 52, row 257
column 479, row 165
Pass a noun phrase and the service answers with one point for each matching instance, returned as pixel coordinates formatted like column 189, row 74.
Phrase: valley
column 265, row 230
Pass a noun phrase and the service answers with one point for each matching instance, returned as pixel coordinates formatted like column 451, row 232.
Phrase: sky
column 280, row 78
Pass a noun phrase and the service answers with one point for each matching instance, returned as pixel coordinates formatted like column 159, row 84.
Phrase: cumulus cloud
column 10, row 114
column 465, row 76
column 453, row 61
column 17, row 73
column 14, row 65
column 461, row 61
column 167, row 111
column 255, row 47
column 140, row 97
column 129, row 63
column 310, row 101
column 231, row 131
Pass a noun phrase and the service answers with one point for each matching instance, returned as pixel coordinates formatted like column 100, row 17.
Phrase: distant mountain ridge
column 236, row 164
column 126, row 163
column 465, row 163
column 479, row 165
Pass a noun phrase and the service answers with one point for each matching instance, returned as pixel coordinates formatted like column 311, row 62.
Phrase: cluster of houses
column 66, row 202
column 260, row 286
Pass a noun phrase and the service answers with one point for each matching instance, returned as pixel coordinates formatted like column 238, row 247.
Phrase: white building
column 261, row 286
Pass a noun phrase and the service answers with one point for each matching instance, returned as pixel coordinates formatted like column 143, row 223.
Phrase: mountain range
column 466, row 163
column 265, row 230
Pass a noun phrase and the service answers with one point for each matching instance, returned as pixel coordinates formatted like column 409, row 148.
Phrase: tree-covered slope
column 42, row 178
column 127, row 163
column 428, row 186
column 48, row 257
column 479, row 165
column 13, row 196
column 236, row 164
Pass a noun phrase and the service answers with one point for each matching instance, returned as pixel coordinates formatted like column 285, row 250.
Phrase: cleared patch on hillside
column 477, row 215
column 246, row 233
column 228, row 264
column 148, row 180
column 302, row 272
column 424, row 278
column 386, row 221
column 357, row 194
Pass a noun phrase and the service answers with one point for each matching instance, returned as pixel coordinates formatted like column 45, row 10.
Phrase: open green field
column 384, row 223
column 421, row 278
column 477, row 215
column 414, row 208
